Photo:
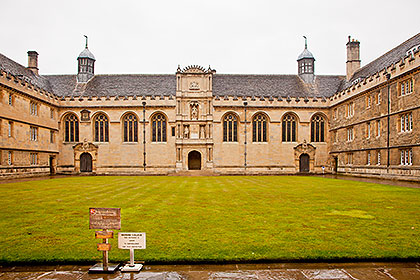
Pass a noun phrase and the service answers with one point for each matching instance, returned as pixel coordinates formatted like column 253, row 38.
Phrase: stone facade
column 222, row 124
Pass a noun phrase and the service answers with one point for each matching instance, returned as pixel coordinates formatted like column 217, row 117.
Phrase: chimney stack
column 33, row 62
column 353, row 57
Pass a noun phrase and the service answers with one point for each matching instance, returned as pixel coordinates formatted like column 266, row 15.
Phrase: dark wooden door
column 335, row 164
column 52, row 170
column 85, row 162
column 194, row 161
column 304, row 163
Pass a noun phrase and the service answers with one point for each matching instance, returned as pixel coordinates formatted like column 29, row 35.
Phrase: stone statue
column 186, row 132
column 194, row 111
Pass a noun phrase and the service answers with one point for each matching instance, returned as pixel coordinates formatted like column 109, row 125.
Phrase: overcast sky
column 240, row 36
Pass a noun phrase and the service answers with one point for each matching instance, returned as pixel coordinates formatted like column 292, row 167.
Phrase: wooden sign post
column 131, row 241
column 104, row 218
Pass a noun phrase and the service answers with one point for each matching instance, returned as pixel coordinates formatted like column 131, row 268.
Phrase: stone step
column 194, row 173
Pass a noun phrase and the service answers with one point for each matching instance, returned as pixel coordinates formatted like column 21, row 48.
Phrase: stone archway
column 194, row 160
column 305, row 152
column 85, row 155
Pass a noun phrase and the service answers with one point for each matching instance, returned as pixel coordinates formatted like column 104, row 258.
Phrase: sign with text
column 132, row 240
column 104, row 218
column 104, row 247
column 104, row 234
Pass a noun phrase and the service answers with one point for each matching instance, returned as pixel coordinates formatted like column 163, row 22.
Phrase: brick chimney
column 353, row 57
column 33, row 62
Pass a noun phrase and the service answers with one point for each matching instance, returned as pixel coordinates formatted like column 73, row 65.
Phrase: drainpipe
column 144, row 135
column 388, row 77
column 245, row 104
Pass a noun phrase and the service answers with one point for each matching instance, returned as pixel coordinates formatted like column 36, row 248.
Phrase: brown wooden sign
column 104, row 234
column 104, row 218
column 104, row 247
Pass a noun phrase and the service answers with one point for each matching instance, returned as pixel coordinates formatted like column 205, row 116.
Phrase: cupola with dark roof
column 86, row 65
column 306, row 64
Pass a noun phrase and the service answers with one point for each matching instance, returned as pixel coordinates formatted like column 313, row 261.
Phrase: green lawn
column 211, row 218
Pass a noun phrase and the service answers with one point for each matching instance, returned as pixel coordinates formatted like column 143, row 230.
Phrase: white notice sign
column 132, row 240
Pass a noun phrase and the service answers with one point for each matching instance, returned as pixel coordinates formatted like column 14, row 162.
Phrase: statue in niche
column 194, row 111
column 186, row 132
column 202, row 132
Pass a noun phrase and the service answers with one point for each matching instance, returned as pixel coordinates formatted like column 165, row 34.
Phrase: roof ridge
column 388, row 52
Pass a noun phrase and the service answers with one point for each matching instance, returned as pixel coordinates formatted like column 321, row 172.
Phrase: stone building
column 360, row 123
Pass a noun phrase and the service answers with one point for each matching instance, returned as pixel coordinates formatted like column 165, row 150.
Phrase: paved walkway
column 318, row 271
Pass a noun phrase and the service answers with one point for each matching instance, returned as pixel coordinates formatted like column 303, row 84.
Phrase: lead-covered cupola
column 86, row 65
column 306, row 64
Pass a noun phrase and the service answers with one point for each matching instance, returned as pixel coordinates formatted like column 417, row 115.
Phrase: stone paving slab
column 313, row 271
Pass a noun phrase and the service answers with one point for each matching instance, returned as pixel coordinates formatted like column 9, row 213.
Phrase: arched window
column 71, row 128
column 101, row 128
column 130, row 128
column 259, row 128
column 158, row 128
column 289, row 128
column 230, row 128
column 317, row 129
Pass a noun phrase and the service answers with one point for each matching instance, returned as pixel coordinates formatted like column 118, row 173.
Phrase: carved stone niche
column 85, row 115
column 308, row 149
column 85, row 148
column 194, row 107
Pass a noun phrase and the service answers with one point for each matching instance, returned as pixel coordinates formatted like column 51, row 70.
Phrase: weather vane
column 306, row 45
column 86, row 41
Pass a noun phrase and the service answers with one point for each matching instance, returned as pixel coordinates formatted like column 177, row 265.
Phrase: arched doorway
column 304, row 163
column 85, row 162
column 194, row 160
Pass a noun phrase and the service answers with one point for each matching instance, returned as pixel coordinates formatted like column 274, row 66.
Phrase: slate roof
column 393, row 56
column 18, row 70
column 275, row 85
column 115, row 85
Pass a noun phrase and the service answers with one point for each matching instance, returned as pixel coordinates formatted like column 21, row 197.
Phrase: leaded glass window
column 318, row 129
column 230, row 128
column 101, row 128
column 130, row 128
column 158, row 128
column 259, row 128
column 289, row 128
column 71, row 128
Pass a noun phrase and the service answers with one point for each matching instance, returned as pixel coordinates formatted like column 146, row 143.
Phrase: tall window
column 289, row 128
column 378, row 158
column 259, row 128
column 230, row 128
column 378, row 128
column 158, row 128
column 350, row 109
column 101, row 128
column 10, row 158
column 10, row 129
column 33, row 133
column 350, row 134
column 33, row 108
column 10, row 100
column 130, row 128
column 368, row 130
column 317, row 129
column 71, row 128
column 34, row 158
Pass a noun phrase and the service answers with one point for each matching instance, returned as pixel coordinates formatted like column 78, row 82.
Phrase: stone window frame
column 318, row 128
column 368, row 101
column 71, row 128
column 378, row 98
column 33, row 133
column 368, row 158
column 130, row 128
column 10, row 158
column 10, row 129
column 101, row 128
column 52, row 136
column 350, row 109
column 406, row 87
column 368, row 130
column 159, row 128
column 350, row 134
column 33, row 158
column 378, row 128
column 406, row 123
column 11, row 99
column 33, row 108
column 260, row 128
column 378, row 157
column 406, row 157
column 289, row 127
column 349, row 158
column 230, row 127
